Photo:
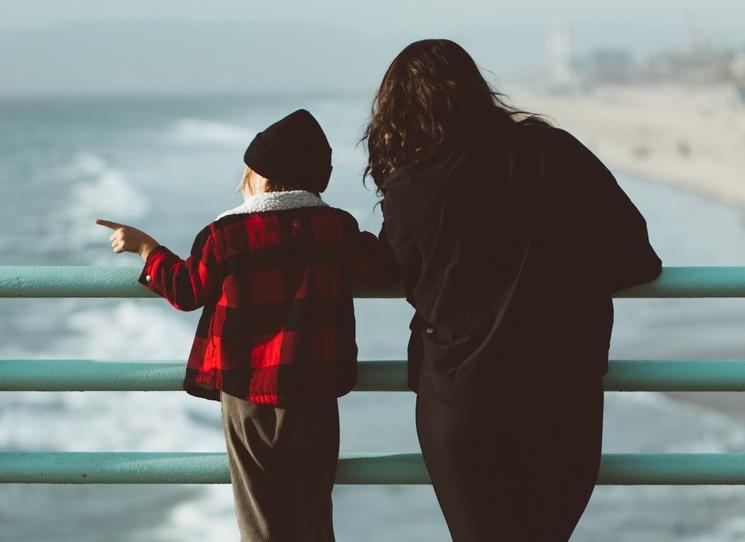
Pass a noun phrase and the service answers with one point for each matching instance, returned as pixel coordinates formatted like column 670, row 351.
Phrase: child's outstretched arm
column 186, row 284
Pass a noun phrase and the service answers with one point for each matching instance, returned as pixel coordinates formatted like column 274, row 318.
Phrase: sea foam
column 98, row 190
column 101, row 421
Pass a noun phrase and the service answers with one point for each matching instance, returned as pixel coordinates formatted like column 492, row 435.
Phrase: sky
column 189, row 46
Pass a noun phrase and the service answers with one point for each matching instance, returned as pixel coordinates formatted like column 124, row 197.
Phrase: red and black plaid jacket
column 276, row 286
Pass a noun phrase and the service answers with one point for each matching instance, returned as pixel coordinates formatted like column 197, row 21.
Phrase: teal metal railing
column 81, row 281
column 175, row 467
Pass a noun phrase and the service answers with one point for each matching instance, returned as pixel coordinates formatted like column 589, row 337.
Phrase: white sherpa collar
column 276, row 201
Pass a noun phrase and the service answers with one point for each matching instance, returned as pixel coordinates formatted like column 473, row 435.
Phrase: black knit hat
column 293, row 151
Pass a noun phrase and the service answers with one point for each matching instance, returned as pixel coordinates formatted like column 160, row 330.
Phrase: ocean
column 169, row 165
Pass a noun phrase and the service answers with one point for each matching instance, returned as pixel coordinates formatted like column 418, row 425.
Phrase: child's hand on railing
column 129, row 239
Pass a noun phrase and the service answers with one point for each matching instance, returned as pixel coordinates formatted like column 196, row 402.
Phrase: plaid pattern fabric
column 278, row 320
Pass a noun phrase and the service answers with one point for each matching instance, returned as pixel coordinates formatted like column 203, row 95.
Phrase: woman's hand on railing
column 129, row 239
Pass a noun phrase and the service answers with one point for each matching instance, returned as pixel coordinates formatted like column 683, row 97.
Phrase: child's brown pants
column 282, row 466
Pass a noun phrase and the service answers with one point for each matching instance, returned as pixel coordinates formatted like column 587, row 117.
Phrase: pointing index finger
column 109, row 224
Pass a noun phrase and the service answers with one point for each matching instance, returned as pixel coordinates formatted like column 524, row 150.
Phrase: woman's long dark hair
column 430, row 89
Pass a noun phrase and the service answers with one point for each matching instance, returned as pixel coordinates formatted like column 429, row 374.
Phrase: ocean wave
column 185, row 522
column 100, row 421
column 121, row 421
column 655, row 422
column 99, row 190
column 193, row 130
column 134, row 329
column 104, row 188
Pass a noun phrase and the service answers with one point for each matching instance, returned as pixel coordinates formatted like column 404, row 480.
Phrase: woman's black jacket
column 511, row 243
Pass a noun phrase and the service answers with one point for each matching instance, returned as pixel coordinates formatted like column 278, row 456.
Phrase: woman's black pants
column 520, row 468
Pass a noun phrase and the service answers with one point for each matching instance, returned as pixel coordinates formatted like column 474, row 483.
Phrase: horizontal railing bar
column 92, row 375
column 95, row 375
column 373, row 468
column 81, row 281
column 675, row 375
column 87, row 281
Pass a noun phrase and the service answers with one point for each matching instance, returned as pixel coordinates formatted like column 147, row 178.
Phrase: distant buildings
column 606, row 66
column 617, row 66
column 700, row 66
column 697, row 62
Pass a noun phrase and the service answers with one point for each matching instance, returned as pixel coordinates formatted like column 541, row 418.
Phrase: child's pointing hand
column 129, row 239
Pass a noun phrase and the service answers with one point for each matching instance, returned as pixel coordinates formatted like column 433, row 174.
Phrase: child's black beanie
column 293, row 151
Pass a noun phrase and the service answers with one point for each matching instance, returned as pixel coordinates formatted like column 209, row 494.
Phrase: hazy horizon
column 83, row 48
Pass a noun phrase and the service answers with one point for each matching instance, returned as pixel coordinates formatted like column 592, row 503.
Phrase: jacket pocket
column 446, row 345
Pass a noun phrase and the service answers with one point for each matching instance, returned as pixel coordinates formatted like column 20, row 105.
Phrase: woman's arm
column 373, row 260
column 186, row 284
column 614, row 231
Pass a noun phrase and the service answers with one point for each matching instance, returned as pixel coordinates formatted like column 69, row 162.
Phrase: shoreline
column 674, row 184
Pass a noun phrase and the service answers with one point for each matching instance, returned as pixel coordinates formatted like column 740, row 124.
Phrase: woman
column 512, row 237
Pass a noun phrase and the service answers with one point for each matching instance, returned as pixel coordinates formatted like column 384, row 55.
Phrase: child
column 276, row 339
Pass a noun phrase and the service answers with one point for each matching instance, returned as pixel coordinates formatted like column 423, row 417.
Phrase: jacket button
column 429, row 331
column 147, row 278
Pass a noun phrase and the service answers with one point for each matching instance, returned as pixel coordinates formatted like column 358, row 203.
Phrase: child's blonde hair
column 271, row 186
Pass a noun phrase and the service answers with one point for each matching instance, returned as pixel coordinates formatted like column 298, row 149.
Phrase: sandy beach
column 689, row 137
